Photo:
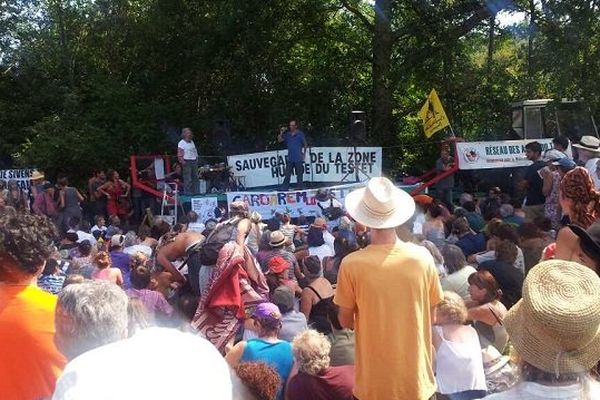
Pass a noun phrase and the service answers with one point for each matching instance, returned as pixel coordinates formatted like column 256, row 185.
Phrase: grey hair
column 435, row 252
column 506, row 210
column 130, row 239
column 454, row 258
column 90, row 314
column 311, row 351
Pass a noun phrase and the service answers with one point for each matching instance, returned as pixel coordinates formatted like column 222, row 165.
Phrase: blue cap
column 566, row 163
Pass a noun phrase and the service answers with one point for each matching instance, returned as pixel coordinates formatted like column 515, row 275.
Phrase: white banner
column 322, row 164
column 21, row 176
column 204, row 207
column 295, row 203
column 499, row 154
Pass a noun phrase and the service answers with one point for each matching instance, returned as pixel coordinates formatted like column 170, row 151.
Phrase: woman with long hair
column 580, row 201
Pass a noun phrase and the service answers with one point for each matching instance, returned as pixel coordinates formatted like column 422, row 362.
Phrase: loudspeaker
column 358, row 127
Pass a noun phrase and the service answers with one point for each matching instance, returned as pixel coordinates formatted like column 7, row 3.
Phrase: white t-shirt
column 457, row 282
column 535, row 391
column 189, row 149
column 188, row 367
column 81, row 236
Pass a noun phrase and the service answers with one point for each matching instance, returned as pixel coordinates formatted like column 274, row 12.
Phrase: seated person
column 316, row 379
column 457, row 344
column 486, row 311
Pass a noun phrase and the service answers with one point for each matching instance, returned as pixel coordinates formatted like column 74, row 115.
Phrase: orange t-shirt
column 30, row 364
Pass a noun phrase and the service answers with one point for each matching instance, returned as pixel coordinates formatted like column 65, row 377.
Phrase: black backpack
column 223, row 233
column 332, row 212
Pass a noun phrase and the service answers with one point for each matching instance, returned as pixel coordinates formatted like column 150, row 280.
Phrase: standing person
column 588, row 150
column 188, row 158
column 16, row 197
column 296, row 145
column 444, row 186
column 97, row 202
column 388, row 274
column 551, row 176
column 29, row 360
column 560, row 143
column 532, row 182
column 44, row 203
column 116, row 192
column 69, row 199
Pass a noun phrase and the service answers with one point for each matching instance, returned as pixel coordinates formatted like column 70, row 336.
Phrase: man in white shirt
column 588, row 149
column 188, row 158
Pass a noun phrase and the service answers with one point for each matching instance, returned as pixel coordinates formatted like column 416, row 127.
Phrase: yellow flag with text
column 433, row 115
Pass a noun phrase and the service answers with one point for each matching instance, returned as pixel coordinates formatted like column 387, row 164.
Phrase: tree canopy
column 86, row 83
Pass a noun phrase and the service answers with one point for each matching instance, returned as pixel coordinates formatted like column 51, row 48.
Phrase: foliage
column 86, row 83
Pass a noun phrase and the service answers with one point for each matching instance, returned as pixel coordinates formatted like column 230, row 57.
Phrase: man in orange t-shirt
column 29, row 360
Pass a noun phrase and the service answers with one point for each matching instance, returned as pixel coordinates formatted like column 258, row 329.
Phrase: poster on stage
column 498, row 154
column 322, row 164
column 21, row 176
column 204, row 207
column 295, row 203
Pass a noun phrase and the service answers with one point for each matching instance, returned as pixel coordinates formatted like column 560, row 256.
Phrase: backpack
column 223, row 233
column 331, row 213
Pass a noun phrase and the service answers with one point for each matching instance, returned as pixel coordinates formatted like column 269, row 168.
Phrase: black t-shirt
column 509, row 279
column 534, row 189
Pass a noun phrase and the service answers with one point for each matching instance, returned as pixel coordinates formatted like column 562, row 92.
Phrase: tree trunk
column 530, row 67
column 383, row 124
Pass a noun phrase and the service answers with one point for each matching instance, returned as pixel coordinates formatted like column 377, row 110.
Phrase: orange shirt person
column 29, row 360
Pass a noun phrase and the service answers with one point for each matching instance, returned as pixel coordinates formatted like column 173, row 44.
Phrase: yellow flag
column 433, row 115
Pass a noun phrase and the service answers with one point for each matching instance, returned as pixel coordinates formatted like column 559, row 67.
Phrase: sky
column 506, row 18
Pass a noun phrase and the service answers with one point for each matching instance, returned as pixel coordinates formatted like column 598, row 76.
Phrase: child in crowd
column 100, row 224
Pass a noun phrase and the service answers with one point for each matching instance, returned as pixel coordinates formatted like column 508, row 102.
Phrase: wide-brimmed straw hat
column 556, row 325
column 276, row 239
column 589, row 143
column 380, row 204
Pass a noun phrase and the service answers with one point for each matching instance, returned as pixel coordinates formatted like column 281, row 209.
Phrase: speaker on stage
column 358, row 127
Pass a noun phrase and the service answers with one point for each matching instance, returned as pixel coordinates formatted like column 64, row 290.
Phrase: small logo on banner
column 471, row 155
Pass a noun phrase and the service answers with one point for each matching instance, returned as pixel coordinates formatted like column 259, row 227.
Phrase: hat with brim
column 565, row 163
column 556, row 325
column 277, row 239
column 590, row 239
column 589, row 143
column 380, row 204
column 37, row 175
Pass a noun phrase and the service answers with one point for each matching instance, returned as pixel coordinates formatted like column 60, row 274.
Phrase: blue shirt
column 295, row 144
column 278, row 355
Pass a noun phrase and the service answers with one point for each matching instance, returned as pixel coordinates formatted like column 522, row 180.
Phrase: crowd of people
column 396, row 297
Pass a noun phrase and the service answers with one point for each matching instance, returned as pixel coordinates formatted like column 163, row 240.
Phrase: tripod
column 358, row 169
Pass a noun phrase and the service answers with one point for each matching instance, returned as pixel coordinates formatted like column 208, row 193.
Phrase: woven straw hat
column 556, row 325
column 380, row 204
